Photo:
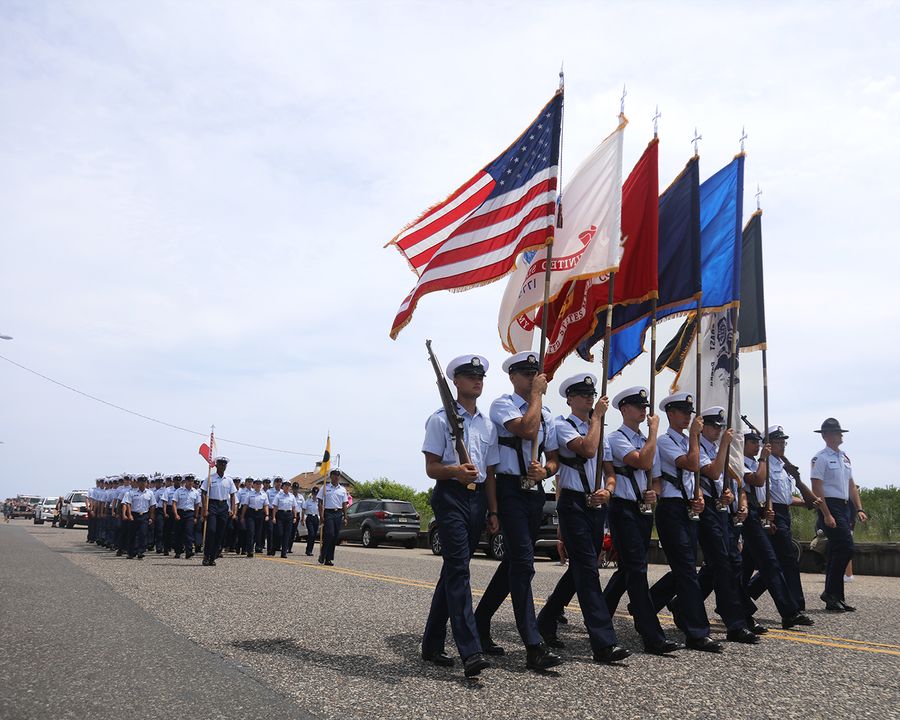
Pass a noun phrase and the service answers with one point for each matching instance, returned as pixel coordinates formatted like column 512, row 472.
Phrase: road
column 82, row 630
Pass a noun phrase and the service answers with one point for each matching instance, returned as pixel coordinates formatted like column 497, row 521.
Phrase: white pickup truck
column 74, row 509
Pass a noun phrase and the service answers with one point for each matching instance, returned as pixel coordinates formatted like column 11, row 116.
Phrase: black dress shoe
column 832, row 604
column 212, row 563
column 553, row 641
column 178, row 556
column 743, row 635
column 140, row 557
column 756, row 628
column 166, row 553
column 438, row 658
column 797, row 618
column 188, row 556
column 562, row 619
column 284, row 555
column 329, row 562
column 539, row 657
column 205, row 562
column 321, row 559
column 704, row 644
column 663, row 647
column 249, row 555
column 119, row 553
column 847, row 608
column 611, row 653
column 490, row 647
column 474, row 664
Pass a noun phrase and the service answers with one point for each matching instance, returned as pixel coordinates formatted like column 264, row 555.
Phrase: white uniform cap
column 776, row 432
column 467, row 365
column 334, row 470
column 527, row 359
column 221, row 458
column 714, row 415
column 636, row 395
column 581, row 383
column 682, row 400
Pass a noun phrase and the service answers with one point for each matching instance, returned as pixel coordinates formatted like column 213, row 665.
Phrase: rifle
column 768, row 508
column 808, row 496
column 454, row 420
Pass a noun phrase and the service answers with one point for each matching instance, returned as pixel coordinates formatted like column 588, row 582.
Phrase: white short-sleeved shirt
column 285, row 501
column 256, row 500
column 708, row 452
column 186, row 499
column 218, row 487
column 751, row 465
column 242, row 495
column 335, row 496
column 311, row 505
column 158, row 496
column 833, row 468
column 511, row 407
column 140, row 500
column 781, row 485
column 624, row 441
column 479, row 437
column 670, row 447
column 569, row 479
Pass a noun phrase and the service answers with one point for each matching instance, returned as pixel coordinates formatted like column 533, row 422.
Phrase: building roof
column 309, row 480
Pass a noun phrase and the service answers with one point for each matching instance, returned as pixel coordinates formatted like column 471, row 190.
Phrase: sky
column 195, row 199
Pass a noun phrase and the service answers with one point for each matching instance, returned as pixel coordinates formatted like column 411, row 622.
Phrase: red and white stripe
column 480, row 246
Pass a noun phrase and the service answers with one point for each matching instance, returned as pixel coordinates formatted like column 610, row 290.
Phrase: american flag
column 475, row 235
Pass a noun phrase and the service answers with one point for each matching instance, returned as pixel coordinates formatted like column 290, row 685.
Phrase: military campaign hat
column 677, row 401
column 714, row 415
column 525, row 360
column 636, row 395
column 831, row 425
column 473, row 365
column 581, row 384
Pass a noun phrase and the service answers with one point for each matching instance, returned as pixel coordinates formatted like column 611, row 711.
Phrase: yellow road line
column 774, row 633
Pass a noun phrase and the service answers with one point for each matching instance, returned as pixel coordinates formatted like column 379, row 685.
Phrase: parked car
column 372, row 521
column 492, row 545
column 74, row 509
column 24, row 505
column 45, row 510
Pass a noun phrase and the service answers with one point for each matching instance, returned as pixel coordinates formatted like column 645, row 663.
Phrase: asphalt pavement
column 343, row 642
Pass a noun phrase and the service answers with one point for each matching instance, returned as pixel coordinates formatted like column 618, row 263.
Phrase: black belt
column 290, row 512
column 333, row 510
column 217, row 501
column 187, row 512
column 134, row 514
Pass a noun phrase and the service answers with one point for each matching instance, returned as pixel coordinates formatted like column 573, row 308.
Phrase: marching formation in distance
column 135, row 514
column 493, row 468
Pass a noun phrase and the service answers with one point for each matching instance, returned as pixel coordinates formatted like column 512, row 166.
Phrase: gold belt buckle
column 471, row 486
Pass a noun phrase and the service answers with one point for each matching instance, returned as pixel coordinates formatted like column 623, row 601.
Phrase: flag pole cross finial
column 656, row 116
column 758, row 195
column 743, row 137
column 622, row 101
column 562, row 81
column 696, row 139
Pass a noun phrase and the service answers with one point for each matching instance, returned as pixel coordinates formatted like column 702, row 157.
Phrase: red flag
column 574, row 312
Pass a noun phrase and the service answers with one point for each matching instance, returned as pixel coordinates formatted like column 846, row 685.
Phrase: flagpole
column 212, row 442
column 599, row 480
column 698, row 336
column 657, row 115
column 734, row 314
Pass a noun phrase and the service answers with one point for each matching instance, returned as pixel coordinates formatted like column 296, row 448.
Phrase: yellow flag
column 325, row 465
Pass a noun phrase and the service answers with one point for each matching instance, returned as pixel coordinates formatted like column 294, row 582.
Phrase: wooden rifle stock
column 454, row 420
column 808, row 496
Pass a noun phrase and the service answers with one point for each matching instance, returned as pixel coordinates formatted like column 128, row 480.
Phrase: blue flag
column 678, row 266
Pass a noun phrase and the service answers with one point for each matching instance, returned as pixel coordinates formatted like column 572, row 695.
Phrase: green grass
column 882, row 506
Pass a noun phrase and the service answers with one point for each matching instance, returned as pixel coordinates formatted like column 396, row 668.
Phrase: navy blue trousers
column 582, row 533
column 158, row 527
column 678, row 538
column 460, row 516
column 253, row 525
column 216, row 520
column 170, row 528
column 520, row 518
column 759, row 555
column 333, row 520
column 285, row 526
column 186, row 532
column 721, row 569
column 783, row 544
column 136, row 533
column 271, row 539
column 121, row 533
column 630, row 532
column 840, row 547
column 312, row 532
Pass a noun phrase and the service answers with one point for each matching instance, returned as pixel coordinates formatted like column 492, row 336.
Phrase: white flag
column 588, row 244
column 716, row 334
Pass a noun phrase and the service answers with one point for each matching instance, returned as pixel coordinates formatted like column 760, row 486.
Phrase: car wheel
column 495, row 546
column 435, row 541
column 368, row 540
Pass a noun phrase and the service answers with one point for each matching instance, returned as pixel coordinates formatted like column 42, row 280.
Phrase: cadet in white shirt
column 137, row 509
column 171, row 530
column 186, row 503
column 219, row 505
column 333, row 508
column 159, row 519
column 254, row 514
column 122, row 523
column 310, row 516
column 285, row 507
column 272, row 544
column 832, row 478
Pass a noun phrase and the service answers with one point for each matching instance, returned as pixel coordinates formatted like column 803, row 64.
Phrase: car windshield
column 78, row 497
column 399, row 507
column 50, row 501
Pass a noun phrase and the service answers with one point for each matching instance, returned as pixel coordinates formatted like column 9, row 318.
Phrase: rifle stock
column 808, row 496
column 454, row 420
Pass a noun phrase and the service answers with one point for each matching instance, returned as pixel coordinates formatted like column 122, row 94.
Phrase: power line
column 147, row 417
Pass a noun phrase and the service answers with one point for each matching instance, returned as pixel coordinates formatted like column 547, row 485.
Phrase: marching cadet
column 109, row 499
column 781, row 488
column 459, row 505
column 285, row 508
column 679, row 459
column 137, row 511
column 832, row 479
column 234, row 537
column 121, row 521
column 218, row 505
column 298, row 500
column 758, row 552
column 333, row 509
column 102, row 518
column 310, row 516
column 581, row 518
column 635, row 462
column 171, row 529
column 92, row 511
column 516, row 498
column 159, row 491
column 715, row 532
column 186, row 503
column 271, row 492
column 254, row 514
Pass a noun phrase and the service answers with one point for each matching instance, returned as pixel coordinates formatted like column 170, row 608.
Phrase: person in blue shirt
column 580, row 506
column 271, row 536
column 459, row 505
column 832, row 479
column 186, row 503
column 516, row 497
column 285, row 508
column 170, row 532
column 254, row 513
column 677, row 512
column 137, row 511
column 634, row 460
column 218, row 506
column 310, row 516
